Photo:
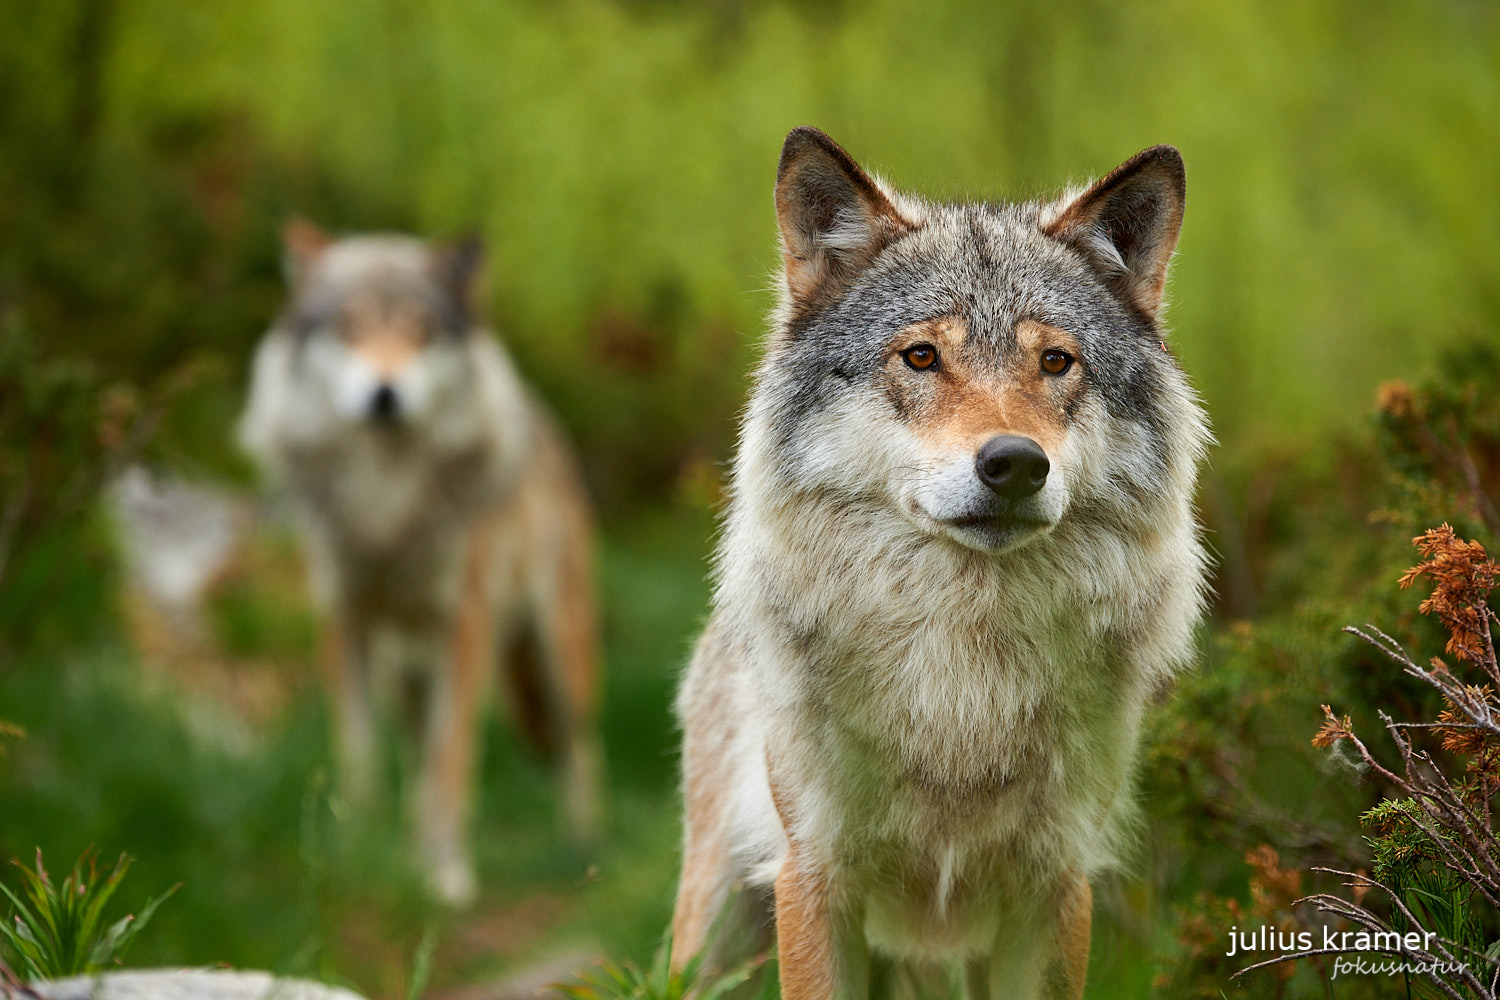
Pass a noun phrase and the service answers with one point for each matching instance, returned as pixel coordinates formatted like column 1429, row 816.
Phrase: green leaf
column 421, row 963
column 22, row 913
column 661, row 964
column 106, row 947
column 140, row 922
column 93, row 903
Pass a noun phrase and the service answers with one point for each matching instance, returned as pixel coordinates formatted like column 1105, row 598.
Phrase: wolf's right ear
column 301, row 244
column 456, row 266
column 834, row 218
column 1128, row 222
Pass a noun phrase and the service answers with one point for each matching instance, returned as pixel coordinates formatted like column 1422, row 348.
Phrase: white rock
column 184, row 984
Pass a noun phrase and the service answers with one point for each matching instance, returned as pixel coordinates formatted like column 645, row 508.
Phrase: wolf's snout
column 1014, row 467
column 383, row 404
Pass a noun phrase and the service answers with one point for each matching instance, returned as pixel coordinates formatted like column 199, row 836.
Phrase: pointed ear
column 1127, row 224
column 455, row 265
column 301, row 243
column 834, row 219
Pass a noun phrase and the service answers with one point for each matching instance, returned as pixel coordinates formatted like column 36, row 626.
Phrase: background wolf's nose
column 1012, row 466
column 383, row 404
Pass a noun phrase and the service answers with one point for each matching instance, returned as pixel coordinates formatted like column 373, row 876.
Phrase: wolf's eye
column 920, row 356
column 1055, row 362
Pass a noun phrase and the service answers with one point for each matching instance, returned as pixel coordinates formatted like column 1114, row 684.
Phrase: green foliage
column 1229, row 763
column 1443, row 444
column 53, row 451
column 625, row 981
column 618, row 159
column 242, row 814
column 1399, row 848
column 1404, row 857
column 59, row 930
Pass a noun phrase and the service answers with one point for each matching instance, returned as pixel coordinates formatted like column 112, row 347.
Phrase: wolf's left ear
column 455, row 265
column 301, row 244
column 834, row 219
column 1128, row 223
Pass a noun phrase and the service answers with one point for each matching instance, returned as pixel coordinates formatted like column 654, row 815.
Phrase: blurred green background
column 618, row 156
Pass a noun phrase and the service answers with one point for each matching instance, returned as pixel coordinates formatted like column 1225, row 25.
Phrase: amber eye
column 920, row 356
column 1055, row 362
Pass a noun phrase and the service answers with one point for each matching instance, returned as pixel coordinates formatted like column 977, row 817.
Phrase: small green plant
column 612, row 981
column 59, row 930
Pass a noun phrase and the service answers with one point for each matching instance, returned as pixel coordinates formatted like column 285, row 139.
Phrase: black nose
column 1014, row 467
column 383, row 405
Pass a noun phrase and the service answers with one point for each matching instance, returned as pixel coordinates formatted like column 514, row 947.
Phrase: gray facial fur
column 391, row 272
column 992, row 266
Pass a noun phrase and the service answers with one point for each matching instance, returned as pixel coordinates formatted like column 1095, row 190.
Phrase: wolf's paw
column 452, row 882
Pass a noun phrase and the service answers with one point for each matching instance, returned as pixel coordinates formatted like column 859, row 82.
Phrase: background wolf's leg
column 450, row 739
column 346, row 670
column 568, row 641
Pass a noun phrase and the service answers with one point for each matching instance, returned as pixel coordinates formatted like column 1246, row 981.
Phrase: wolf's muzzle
column 384, row 405
column 1014, row 467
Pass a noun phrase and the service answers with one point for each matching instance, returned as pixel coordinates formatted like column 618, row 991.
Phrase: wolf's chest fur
column 956, row 717
column 382, row 495
column 949, row 669
column 389, row 520
column 953, row 713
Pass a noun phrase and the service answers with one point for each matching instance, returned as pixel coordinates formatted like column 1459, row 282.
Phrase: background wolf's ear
column 456, row 265
column 1128, row 223
column 301, row 244
column 834, row 219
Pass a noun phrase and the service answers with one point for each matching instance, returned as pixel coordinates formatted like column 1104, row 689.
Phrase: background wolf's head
column 988, row 369
column 379, row 321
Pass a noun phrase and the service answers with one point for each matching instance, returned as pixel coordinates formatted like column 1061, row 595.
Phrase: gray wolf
column 959, row 559
column 446, row 524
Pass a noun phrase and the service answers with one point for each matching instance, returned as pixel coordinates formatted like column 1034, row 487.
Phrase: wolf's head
column 988, row 370
column 380, row 321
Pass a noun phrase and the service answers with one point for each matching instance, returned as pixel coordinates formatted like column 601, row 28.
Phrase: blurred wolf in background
column 959, row 560
column 447, row 528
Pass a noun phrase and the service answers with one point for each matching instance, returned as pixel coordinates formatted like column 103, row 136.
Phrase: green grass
column 658, row 981
column 618, row 158
column 272, row 880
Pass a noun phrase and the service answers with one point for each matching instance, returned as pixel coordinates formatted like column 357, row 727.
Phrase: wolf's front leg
column 819, row 945
column 449, row 745
column 569, row 687
column 1043, row 955
column 346, row 671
